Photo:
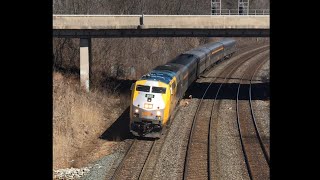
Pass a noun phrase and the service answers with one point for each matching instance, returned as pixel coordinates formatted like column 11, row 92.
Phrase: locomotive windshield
column 143, row 88
column 159, row 90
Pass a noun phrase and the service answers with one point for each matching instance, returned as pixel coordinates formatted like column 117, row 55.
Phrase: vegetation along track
column 255, row 155
column 197, row 161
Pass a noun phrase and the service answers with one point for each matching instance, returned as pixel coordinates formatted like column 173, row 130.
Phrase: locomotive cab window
column 159, row 90
column 143, row 88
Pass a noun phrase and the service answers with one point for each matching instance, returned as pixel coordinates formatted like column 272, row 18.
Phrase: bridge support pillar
column 85, row 62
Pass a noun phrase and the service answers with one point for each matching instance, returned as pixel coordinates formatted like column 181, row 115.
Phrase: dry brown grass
column 78, row 120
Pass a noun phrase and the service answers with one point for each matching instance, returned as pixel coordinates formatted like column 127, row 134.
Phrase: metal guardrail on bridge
column 255, row 12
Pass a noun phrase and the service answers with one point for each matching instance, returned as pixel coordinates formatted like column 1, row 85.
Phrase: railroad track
column 150, row 164
column 254, row 151
column 134, row 160
column 264, row 145
column 198, row 160
column 136, row 163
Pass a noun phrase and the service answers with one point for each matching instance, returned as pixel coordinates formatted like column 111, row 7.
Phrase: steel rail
column 254, row 119
column 240, row 132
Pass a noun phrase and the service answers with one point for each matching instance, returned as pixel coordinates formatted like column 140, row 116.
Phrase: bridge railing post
column 141, row 26
column 141, row 19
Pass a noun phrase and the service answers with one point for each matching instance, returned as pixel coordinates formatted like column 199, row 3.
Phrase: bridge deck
column 161, row 22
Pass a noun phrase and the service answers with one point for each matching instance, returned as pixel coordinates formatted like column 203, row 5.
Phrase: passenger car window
column 143, row 88
column 159, row 90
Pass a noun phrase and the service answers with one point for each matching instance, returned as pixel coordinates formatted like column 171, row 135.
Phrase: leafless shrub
column 78, row 119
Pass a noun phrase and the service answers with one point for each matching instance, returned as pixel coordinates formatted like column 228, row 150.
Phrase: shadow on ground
column 260, row 91
column 119, row 130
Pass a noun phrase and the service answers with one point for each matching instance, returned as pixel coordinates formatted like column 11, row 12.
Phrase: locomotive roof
column 169, row 67
column 156, row 75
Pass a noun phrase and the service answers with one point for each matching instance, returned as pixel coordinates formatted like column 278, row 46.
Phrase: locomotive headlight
column 137, row 110
column 148, row 106
column 158, row 113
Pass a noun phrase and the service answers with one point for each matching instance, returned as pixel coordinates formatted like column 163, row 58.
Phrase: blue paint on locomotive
column 156, row 75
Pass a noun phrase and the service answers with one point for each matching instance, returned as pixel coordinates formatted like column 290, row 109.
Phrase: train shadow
column 260, row 91
column 119, row 130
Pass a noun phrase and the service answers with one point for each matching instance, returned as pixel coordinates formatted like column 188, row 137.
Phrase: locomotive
column 155, row 95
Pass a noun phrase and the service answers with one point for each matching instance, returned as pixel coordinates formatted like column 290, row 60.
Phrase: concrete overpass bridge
column 100, row 26
column 86, row 27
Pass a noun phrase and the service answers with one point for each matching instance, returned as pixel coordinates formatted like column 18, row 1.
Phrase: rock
column 71, row 173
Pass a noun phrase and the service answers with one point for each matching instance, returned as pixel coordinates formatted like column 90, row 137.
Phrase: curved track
column 264, row 145
column 197, row 161
column 255, row 155
column 134, row 160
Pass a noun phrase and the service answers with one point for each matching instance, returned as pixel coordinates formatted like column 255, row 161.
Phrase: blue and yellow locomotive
column 156, row 94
